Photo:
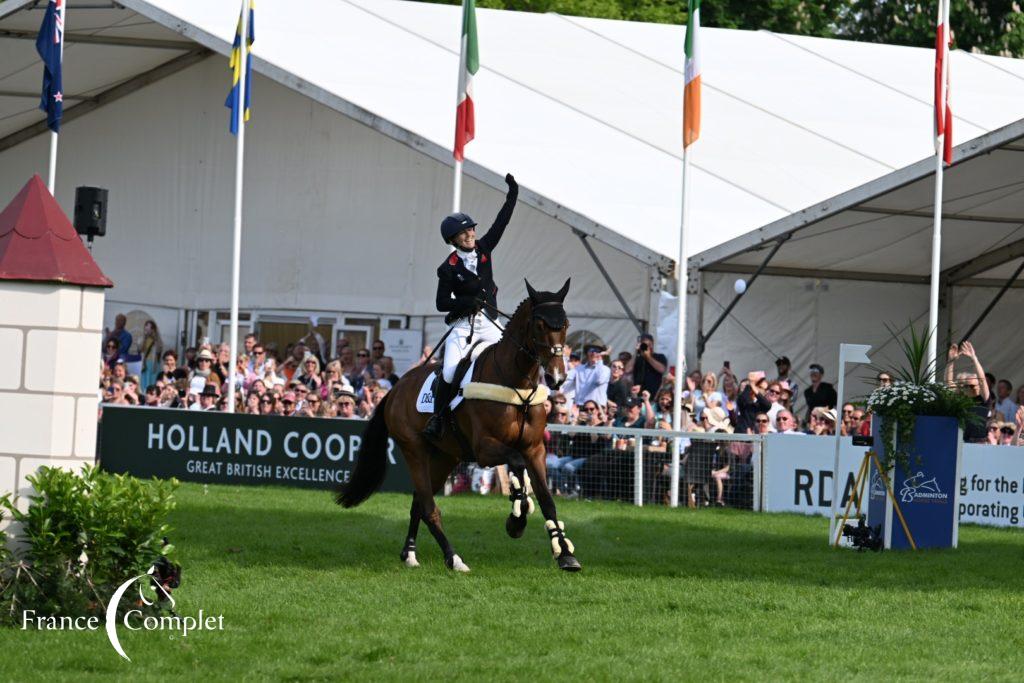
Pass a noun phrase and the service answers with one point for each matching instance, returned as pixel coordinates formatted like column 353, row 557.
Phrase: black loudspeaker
column 91, row 211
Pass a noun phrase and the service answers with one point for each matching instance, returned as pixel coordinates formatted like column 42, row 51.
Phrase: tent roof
column 584, row 111
column 38, row 242
column 882, row 230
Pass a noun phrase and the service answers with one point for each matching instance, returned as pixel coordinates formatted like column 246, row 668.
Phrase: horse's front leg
column 518, row 493
column 561, row 547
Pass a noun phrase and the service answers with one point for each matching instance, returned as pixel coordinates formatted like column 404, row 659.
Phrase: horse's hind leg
column 408, row 554
column 440, row 465
column 561, row 547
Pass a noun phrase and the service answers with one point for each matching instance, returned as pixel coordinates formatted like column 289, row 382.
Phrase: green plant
column 83, row 534
column 913, row 393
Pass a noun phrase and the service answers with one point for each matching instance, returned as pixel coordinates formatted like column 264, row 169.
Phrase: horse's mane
column 519, row 318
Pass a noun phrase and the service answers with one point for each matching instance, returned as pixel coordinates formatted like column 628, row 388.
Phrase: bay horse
column 498, row 433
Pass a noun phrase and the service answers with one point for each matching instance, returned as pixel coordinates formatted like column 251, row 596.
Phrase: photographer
column 649, row 367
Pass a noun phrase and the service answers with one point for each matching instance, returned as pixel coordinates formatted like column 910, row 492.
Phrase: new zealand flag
column 48, row 45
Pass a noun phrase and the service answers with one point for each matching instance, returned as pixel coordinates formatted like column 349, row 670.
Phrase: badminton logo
column 918, row 489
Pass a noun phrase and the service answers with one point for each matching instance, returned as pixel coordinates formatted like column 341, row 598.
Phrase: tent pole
column 236, row 247
column 995, row 300
column 611, row 283
column 702, row 340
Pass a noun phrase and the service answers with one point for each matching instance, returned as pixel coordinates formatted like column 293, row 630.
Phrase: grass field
column 311, row 592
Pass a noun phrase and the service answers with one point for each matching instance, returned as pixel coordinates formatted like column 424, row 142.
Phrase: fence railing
column 645, row 467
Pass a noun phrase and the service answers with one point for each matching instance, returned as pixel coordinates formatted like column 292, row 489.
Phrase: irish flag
column 691, row 93
column 943, row 113
column 469, row 63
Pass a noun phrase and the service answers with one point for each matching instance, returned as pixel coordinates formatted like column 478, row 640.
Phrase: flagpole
column 236, row 253
column 940, row 111
column 457, row 187
column 677, row 384
column 51, row 180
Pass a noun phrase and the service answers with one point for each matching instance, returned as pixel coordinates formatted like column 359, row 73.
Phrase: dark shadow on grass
column 611, row 540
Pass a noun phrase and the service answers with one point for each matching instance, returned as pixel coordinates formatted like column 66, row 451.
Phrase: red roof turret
column 38, row 242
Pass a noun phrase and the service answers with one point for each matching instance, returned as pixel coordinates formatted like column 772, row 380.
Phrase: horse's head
column 547, row 327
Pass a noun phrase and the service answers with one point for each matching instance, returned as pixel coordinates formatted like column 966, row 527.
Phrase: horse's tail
column 371, row 462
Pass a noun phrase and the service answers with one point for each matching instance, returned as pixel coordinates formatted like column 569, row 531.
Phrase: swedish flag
column 236, row 67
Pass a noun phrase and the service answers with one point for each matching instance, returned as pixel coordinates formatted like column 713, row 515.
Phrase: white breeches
column 458, row 342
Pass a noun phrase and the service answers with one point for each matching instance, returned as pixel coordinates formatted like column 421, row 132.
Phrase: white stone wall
column 50, row 340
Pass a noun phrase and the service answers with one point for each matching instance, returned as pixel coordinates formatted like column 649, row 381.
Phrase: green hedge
column 84, row 533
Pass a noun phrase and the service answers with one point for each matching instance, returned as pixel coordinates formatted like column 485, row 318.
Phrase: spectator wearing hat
column 783, row 374
column 589, row 381
column 289, row 404
column 204, row 368
column 820, row 394
column 207, row 398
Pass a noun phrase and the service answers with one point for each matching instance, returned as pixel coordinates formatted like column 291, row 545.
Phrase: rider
column 465, row 287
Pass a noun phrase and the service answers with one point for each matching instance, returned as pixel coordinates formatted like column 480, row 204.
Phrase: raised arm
column 489, row 241
column 967, row 349
column 951, row 357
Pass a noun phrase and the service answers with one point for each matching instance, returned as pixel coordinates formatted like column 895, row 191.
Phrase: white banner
column 797, row 477
column 404, row 346
column 798, row 472
column 992, row 485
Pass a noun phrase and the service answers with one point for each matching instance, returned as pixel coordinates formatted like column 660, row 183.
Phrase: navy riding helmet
column 453, row 224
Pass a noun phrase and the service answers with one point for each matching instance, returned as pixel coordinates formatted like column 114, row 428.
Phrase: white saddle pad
column 425, row 401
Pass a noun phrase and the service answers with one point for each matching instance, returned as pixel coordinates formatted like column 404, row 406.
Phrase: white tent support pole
column 236, row 246
column 677, row 380
column 457, row 188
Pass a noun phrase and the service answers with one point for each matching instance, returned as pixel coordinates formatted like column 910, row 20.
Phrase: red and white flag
column 469, row 64
column 943, row 113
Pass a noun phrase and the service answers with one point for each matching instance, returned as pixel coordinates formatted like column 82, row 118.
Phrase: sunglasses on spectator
column 266, row 401
column 347, row 403
column 773, row 391
column 288, row 402
column 313, row 401
column 762, row 422
column 1006, row 430
column 784, row 418
column 362, row 354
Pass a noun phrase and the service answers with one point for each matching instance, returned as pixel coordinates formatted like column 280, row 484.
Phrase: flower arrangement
column 912, row 393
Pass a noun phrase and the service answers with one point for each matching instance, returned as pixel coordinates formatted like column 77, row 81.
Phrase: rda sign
column 221, row 448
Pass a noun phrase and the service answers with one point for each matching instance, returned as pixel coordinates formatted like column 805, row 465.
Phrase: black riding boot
column 442, row 396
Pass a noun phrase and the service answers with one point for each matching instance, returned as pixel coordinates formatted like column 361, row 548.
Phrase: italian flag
column 691, row 93
column 469, row 63
column 943, row 113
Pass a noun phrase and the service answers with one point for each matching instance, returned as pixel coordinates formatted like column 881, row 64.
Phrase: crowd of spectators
column 295, row 381
column 628, row 389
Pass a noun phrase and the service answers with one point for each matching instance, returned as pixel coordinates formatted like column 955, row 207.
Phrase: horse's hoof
column 458, row 565
column 515, row 526
column 409, row 559
column 568, row 563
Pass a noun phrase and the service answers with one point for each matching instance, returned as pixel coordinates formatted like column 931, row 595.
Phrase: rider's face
column 465, row 240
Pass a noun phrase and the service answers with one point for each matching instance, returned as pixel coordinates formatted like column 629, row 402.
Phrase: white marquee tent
column 348, row 161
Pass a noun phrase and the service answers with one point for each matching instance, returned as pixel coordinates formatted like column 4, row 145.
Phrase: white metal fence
column 641, row 466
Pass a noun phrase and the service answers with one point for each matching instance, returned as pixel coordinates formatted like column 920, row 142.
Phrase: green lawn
column 313, row 592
